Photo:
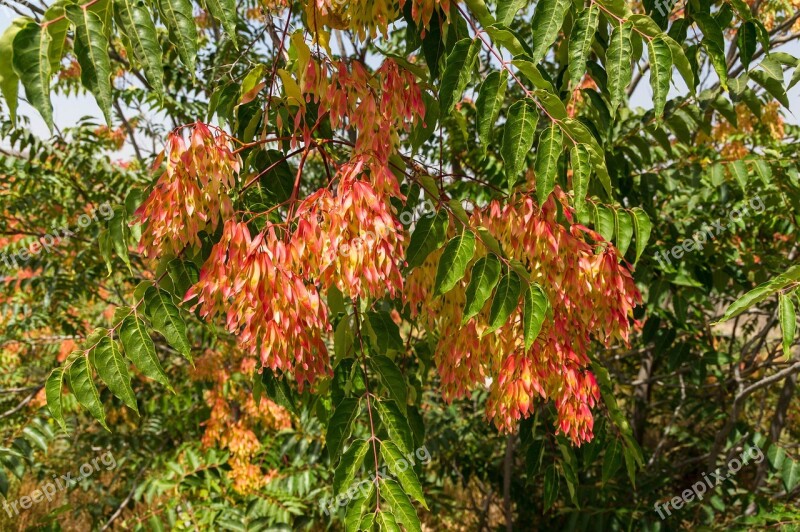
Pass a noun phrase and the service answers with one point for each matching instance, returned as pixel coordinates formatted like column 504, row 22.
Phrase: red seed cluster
column 591, row 294
column 192, row 194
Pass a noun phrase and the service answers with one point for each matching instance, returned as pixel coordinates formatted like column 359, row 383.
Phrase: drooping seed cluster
column 267, row 283
column 192, row 194
column 591, row 294
column 273, row 310
column 366, row 17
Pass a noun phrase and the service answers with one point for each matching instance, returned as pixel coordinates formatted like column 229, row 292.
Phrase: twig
column 22, row 404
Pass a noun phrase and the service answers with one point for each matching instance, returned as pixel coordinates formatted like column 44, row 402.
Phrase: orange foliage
column 235, row 417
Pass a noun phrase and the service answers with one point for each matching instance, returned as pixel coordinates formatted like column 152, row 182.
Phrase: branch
column 125, row 501
column 22, row 404
column 740, row 397
column 129, row 130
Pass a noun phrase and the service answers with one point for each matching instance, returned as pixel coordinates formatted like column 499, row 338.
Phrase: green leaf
column 91, row 49
column 518, row 134
column 9, row 80
column 536, row 305
column 772, row 68
column 343, row 339
column 277, row 176
column 480, row 11
column 641, row 227
column 548, row 16
column 762, row 292
column 119, row 233
column 790, row 474
column 32, row 65
column 547, row 155
column 425, row 129
column 340, row 425
column 454, row 261
column 551, row 103
column 490, row 100
column 113, row 369
column 580, row 133
column 717, row 58
column 82, row 385
column 742, row 9
column 35, row 437
column 348, row 466
column 484, row 277
column 401, row 505
column 52, row 391
column 772, row 86
column 532, row 73
column 387, row 334
column 358, row 507
column 179, row 19
column 57, row 27
column 763, row 170
column 788, row 320
column 714, row 43
column 391, row 377
column 135, row 21
column 612, row 460
column 660, row 72
column 680, row 61
column 508, row 39
column 746, row 41
column 581, row 171
column 386, row 520
column 433, row 46
column 457, row 209
column 795, row 77
column 104, row 9
column 396, row 425
column 506, row 300
column 457, row 73
column 580, row 42
column 624, row 227
column 507, row 9
column 630, row 463
column 225, row 12
column 550, row 486
column 776, row 456
column 402, row 470
column 278, row 391
column 570, row 468
column 618, row 63
column 605, row 222
column 182, row 274
column 166, row 319
column 140, row 349
column 429, row 235
column 738, row 170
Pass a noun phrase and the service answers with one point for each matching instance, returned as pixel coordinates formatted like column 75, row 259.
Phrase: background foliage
column 519, row 99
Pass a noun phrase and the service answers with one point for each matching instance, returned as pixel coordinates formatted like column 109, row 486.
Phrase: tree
column 365, row 212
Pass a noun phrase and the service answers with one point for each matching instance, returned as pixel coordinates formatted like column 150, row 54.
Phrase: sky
column 67, row 110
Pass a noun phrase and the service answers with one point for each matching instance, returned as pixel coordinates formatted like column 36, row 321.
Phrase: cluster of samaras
column 367, row 17
column 270, row 283
column 591, row 296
